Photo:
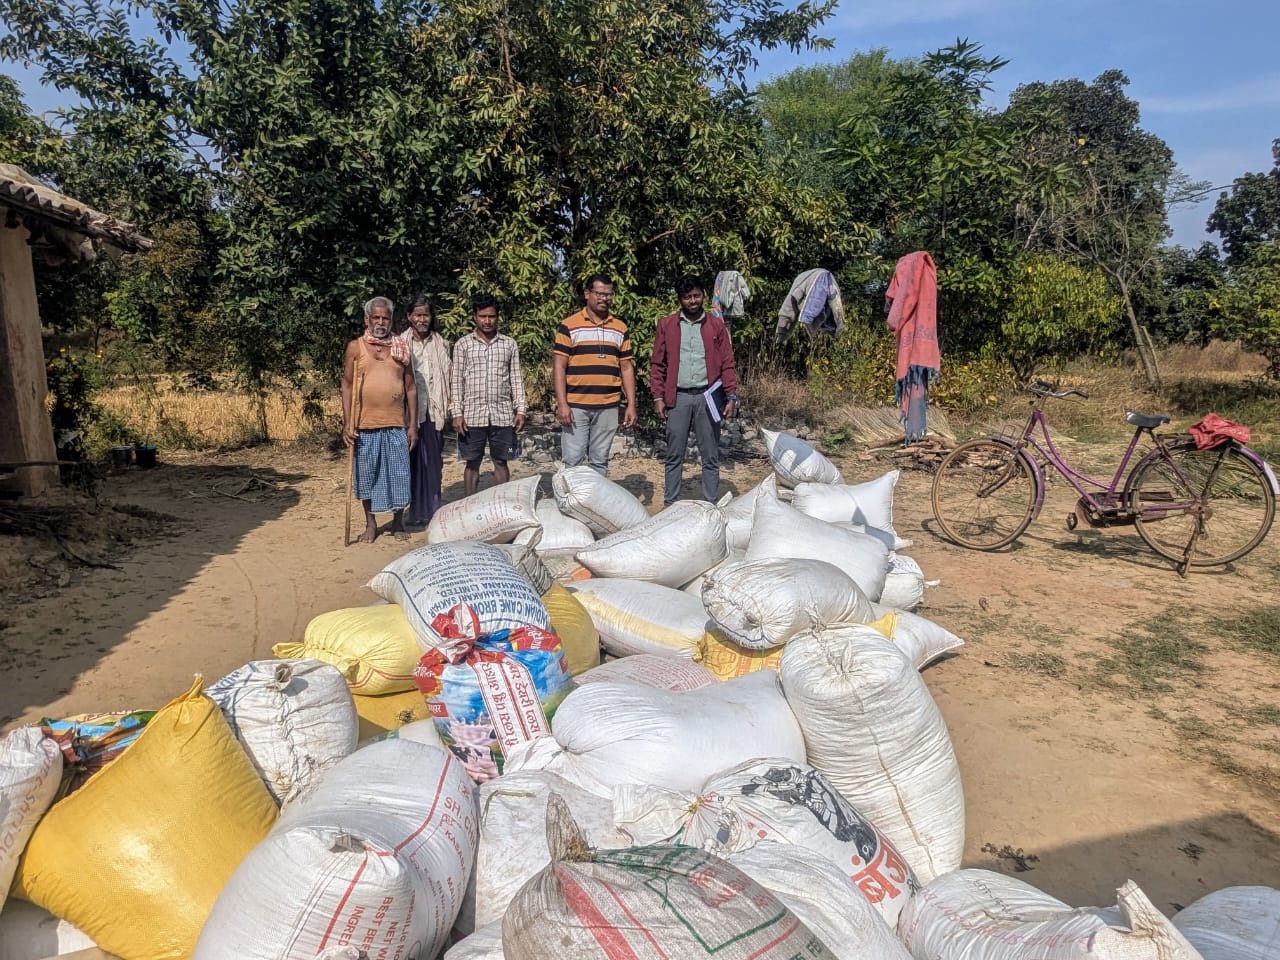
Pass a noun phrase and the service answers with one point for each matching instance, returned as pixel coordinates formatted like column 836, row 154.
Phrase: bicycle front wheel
column 1203, row 508
column 983, row 495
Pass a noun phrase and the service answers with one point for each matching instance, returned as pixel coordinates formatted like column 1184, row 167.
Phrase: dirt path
column 1083, row 752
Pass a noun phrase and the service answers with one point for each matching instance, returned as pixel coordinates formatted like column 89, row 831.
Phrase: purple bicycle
column 1198, row 508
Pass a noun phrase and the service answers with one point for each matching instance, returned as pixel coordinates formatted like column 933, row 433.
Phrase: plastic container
column 146, row 455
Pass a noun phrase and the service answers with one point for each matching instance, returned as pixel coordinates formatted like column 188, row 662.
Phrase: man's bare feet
column 370, row 532
column 397, row 526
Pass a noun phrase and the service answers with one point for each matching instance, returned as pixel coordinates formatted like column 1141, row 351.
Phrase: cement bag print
column 647, row 903
column 30, row 772
column 501, row 691
column 773, row 801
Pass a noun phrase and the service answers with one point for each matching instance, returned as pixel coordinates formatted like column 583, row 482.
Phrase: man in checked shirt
column 487, row 391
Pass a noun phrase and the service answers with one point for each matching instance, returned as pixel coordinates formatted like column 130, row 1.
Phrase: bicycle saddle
column 1148, row 420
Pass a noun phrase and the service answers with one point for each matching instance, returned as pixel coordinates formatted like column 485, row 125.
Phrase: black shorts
column 500, row 440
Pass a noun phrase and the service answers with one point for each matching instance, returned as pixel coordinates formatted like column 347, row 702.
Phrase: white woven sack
column 922, row 640
column 433, row 579
column 818, row 892
column 764, row 603
column 739, row 513
column 903, row 583
column 496, row 515
column 1235, row 923
column 981, row 915
column 651, row 670
column 633, row 616
column 796, row 462
column 872, row 728
column 378, row 853
column 294, row 718
column 530, row 564
column 30, row 771
column 597, row 501
column 560, row 536
column 28, row 932
column 513, row 835
column 694, row 586
column 783, row 531
column 870, row 504
column 483, row 944
column 772, row 802
column 419, row 731
column 647, row 903
column 616, row 733
column 672, row 547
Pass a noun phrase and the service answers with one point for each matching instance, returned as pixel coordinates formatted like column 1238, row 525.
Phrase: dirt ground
column 1104, row 729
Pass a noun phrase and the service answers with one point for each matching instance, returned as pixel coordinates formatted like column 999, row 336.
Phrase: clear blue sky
column 1206, row 74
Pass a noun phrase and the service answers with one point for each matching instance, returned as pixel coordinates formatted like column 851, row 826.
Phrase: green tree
column 1191, row 282
column 1251, row 303
column 1250, row 213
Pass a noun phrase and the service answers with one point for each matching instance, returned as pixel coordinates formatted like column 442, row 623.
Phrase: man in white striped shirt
column 487, row 391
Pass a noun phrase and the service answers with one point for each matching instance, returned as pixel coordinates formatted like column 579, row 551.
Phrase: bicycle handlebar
column 1042, row 389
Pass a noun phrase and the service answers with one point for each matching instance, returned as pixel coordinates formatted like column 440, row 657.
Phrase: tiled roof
column 32, row 200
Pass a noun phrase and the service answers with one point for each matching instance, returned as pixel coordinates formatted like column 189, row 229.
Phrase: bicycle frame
column 1085, row 485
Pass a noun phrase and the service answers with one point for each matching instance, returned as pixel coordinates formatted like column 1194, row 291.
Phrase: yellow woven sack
column 727, row 660
column 137, row 856
column 572, row 624
column 374, row 647
column 392, row 711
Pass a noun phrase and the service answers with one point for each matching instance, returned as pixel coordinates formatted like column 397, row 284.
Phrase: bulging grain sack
column 419, row 731
column 560, row 536
column 530, row 564
column 432, row 580
column 375, row 857
column 513, row 834
column 904, row 583
column 634, row 616
column 694, row 586
column 573, row 625
column 484, row 944
column 871, row 727
column 818, row 892
column 739, row 513
column 29, row 933
column 496, row 515
column 727, row 660
column 922, row 640
column 294, row 718
column 981, row 915
column 796, row 462
column 650, row 670
column 389, row 712
column 772, row 801
column 869, row 504
column 136, row 857
column 374, row 647
column 30, row 771
column 597, row 501
column 647, row 903
column 671, row 548
column 615, row 733
column 764, row 603
column 1235, row 923
column 501, row 692
column 781, row 531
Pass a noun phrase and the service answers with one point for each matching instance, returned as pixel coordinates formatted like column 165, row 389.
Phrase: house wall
column 26, row 432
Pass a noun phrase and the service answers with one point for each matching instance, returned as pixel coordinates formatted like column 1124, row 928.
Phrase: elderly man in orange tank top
column 379, row 417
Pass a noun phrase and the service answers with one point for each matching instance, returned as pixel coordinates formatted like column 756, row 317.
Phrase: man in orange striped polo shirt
column 592, row 370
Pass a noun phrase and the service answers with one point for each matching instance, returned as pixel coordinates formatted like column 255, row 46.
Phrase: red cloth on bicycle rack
column 1213, row 431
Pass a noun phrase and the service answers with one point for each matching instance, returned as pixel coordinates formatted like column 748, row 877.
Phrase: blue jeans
column 590, row 438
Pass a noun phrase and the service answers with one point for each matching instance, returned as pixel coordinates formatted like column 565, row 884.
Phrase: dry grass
column 217, row 419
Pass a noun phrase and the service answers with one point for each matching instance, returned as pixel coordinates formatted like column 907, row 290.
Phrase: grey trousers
column 691, row 410
column 590, row 438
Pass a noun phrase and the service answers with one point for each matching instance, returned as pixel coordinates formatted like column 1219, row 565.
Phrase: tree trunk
column 1144, row 352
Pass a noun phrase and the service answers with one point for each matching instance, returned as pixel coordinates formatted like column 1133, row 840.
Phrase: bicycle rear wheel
column 1203, row 508
column 983, row 495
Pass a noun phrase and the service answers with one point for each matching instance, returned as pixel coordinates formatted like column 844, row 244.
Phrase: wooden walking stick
column 356, row 393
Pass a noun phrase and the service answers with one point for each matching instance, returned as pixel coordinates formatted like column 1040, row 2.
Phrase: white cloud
column 1263, row 91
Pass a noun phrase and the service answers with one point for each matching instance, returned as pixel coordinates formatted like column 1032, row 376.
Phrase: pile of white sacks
column 759, row 772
